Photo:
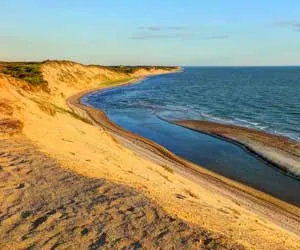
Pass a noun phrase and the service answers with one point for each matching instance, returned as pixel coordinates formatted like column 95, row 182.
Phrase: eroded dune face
column 40, row 114
column 69, row 76
column 63, row 78
column 9, row 105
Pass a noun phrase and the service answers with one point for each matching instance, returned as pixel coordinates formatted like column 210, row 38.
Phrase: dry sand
column 197, row 197
column 44, row 206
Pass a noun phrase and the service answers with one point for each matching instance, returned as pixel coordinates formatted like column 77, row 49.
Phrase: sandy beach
column 98, row 157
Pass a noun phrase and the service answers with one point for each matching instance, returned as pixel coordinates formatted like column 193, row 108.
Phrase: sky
column 156, row 32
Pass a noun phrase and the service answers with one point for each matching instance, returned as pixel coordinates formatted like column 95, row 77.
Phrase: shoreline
column 278, row 151
column 280, row 212
column 181, row 189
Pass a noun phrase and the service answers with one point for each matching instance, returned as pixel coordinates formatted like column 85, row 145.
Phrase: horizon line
column 166, row 65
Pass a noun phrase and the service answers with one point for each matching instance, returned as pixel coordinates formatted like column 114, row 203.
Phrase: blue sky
column 190, row 32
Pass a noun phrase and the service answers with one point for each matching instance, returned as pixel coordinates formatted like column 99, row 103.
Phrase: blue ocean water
column 265, row 98
column 261, row 98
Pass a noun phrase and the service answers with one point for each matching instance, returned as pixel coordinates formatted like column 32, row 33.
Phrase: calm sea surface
column 265, row 98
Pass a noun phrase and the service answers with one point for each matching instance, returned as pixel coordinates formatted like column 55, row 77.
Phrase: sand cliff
column 42, row 116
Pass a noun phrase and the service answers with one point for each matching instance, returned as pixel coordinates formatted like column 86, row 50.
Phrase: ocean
column 263, row 98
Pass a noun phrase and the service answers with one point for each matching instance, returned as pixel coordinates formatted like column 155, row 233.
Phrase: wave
column 207, row 116
column 160, row 107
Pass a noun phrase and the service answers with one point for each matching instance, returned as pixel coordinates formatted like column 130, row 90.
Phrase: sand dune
column 96, row 156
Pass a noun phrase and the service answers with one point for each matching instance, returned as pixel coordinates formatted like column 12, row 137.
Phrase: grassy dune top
column 31, row 71
column 27, row 71
column 133, row 69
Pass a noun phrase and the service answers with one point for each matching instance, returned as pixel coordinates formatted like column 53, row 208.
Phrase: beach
column 84, row 143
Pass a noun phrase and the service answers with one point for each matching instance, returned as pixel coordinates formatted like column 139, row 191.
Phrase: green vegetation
column 25, row 214
column 62, row 110
column 84, row 232
column 132, row 69
column 27, row 71
column 113, row 83
column 51, row 109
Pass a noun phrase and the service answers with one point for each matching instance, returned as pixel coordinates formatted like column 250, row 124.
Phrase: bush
column 25, row 214
column 132, row 69
column 27, row 71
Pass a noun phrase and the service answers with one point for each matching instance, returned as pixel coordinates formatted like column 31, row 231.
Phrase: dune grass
column 114, row 83
column 27, row 71
column 51, row 109
column 132, row 69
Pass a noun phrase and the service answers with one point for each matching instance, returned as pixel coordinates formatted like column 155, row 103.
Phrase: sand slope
column 44, row 206
column 76, row 145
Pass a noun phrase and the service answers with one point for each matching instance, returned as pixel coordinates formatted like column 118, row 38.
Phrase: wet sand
column 280, row 151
